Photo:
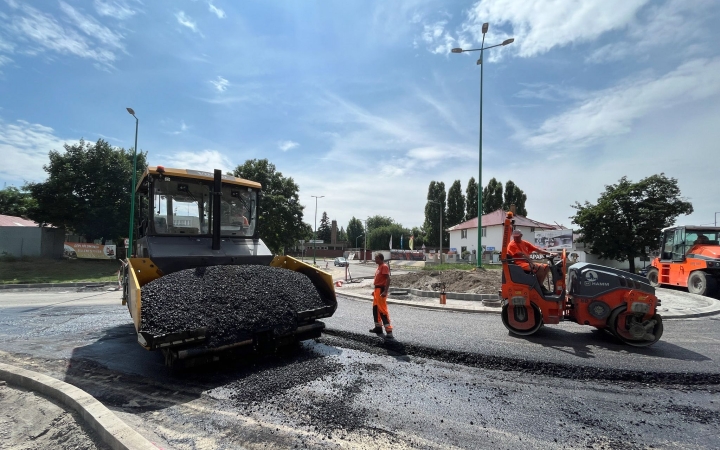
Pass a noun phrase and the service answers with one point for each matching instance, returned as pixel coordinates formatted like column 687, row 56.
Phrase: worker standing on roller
column 381, row 287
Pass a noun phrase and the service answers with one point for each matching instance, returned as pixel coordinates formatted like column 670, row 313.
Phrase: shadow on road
column 580, row 344
column 117, row 371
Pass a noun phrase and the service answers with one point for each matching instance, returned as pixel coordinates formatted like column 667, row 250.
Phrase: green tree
column 87, row 190
column 492, row 197
column 342, row 235
column 280, row 216
column 433, row 208
column 354, row 230
column 379, row 221
column 307, row 232
column 629, row 216
column 14, row 202
column 324, row 230
column 514, row 196
column 379, row 238
column 456, row 204
column 471, row 199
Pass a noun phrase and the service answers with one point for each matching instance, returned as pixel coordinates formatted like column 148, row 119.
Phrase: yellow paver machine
column 201, row 282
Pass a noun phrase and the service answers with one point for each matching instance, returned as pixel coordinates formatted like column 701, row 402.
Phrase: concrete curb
column 113, row 431
column 56, row 285
column 368, row 298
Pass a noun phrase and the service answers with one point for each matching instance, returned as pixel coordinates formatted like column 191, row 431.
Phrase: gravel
column 232, row 302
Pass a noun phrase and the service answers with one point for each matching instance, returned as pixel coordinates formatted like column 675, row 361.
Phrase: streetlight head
column 508, row 41
column 485, row 27
column 457, row 50
column 130, row 110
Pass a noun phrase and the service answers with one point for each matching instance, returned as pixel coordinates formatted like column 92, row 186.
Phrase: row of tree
column 88, row 192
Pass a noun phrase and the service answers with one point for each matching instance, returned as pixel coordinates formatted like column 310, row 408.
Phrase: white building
column 463, row 236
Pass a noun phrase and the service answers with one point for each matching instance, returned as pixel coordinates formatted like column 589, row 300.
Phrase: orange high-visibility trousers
column 381, row 315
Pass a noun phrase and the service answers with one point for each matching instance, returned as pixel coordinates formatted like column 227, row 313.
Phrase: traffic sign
column 127, row 242
column 490, row 249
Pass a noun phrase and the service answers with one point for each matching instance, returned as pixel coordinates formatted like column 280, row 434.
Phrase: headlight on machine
column 518, row 301
column 639, row 307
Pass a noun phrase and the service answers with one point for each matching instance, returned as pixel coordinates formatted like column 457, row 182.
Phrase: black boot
column 376, row 330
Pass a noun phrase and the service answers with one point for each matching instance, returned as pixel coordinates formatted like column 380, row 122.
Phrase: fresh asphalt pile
column 231, row 302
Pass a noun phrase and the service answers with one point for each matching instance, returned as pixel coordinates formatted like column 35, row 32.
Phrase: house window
column 463, row 234
column 532, row 229
column 483, row 231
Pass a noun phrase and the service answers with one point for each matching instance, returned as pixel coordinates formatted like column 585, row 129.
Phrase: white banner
column 554, row 239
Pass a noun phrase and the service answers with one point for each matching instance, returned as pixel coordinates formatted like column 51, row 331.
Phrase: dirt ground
column 485, row 281
column 29, row 421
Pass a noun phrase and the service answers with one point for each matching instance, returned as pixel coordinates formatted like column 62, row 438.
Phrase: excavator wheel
column 524, row 321
column 652, row 276
column 627, row 327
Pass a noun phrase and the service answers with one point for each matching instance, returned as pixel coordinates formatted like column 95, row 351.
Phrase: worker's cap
column 517, row 233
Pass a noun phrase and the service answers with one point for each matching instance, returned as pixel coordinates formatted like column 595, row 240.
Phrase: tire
column 701, row 283
column 652, row 276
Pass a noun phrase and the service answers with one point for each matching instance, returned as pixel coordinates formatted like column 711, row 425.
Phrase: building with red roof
column 463, row 236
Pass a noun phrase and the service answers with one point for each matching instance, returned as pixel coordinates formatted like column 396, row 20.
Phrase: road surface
column 451, row 380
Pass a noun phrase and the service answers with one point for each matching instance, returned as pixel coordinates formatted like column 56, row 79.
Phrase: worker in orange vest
column 381, row 287
column 520, row 250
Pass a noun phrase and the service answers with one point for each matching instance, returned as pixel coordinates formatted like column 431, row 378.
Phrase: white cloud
column 221, row 84
column 612, row 111
column 24, row 148
column 650, row 31
column 92, row 28
column 4, row 60
column 117, row 9
column 287, row 145
column 540, row 25
column 36, row 31
column 207, row 160
column 217, row 11
column 185, row 21
column 439, row 41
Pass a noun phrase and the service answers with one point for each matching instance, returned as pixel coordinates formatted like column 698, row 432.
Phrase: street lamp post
column 357, row 239
column 716, row 217
column 441, row 230
column 132, row 188
column 315, row 233
column 480, row 187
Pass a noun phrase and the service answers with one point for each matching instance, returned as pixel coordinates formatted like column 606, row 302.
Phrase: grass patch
column 42, row 270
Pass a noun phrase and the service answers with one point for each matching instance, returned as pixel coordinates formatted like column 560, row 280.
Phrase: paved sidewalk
column 674, row 304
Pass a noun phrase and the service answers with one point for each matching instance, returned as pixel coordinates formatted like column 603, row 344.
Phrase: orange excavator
column 689, row 257
column 588, row 294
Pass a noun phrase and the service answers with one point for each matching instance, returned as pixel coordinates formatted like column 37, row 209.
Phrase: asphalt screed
column 232, row 302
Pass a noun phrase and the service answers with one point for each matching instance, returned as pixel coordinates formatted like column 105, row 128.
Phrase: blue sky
column 362, row 101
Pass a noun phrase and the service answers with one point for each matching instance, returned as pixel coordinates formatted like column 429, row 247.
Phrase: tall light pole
column 364, row 221
column 132, row 188
column 441, row 230
column 716, row 217
column 357, row 239
column 480, row 187
column 315, row 233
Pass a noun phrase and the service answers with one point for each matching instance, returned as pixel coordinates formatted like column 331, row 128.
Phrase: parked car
column 340, row 261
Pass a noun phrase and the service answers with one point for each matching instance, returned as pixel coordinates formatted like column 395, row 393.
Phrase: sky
column 363, row 103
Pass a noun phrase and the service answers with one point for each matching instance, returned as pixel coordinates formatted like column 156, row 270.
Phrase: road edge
column 112, row 431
